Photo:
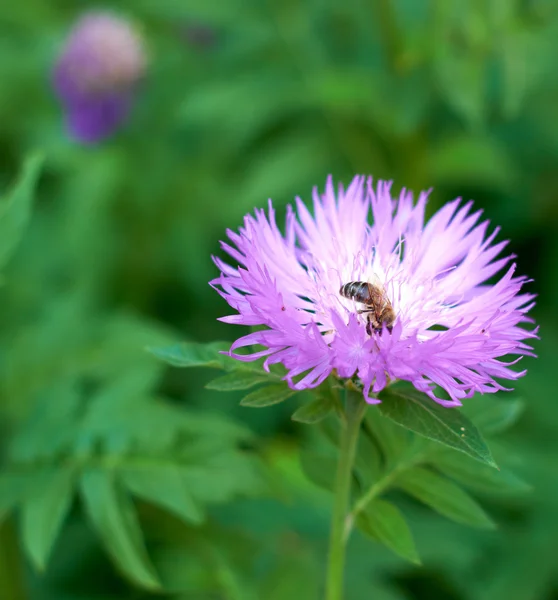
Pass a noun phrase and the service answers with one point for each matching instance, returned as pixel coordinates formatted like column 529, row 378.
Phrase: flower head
column 97, row 73
column 451, row 327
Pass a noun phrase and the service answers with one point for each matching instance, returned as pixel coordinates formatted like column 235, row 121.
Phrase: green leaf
column 519, row 51
column 480, row 478
column 383, row 522
column 268, row 395
column 493, row 415
column 15, row 207
column 113, row 516
column 368, row 459
column 461, row 80
column 226, row 476
column 293, row 574
column 191, row 354
column 163, row 485
column 449, row 426
column 13, row 489
column 330, row 428
column 458, row 159
column 389, row 436
column 314, row 411
column 444, row 497
column 44, row 513
column 319, row 468
column 240, row 379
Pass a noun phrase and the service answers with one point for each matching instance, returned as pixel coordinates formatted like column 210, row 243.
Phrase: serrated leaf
column 417, row 412
column 44, row 513
column 240, row 379
column 268, row 395
column 191, row 354
column 164, row 486
column 444, row 497
column 115, row 520
column 478, row 477
column 383, row 522
column 314, row 411
column 15, row 207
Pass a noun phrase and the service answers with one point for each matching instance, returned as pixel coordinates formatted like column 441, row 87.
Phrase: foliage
column 388, row 457
column 120, row 475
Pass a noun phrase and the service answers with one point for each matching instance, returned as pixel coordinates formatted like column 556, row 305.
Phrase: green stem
column 11, row 571
column 374, row 491
column 377, row 488
column 354, row 411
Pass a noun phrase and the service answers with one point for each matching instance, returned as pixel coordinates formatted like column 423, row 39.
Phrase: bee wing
column 375, row 281
column 378, row 295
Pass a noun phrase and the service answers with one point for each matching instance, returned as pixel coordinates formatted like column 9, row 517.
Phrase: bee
column 378, row 311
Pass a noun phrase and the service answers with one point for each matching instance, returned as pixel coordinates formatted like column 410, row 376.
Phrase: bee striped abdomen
column 359, row 291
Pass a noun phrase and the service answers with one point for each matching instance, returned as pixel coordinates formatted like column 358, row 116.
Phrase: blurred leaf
column 294, row 575
column 302, row 152
column 492, row 414
column 383, row 522
column 194, row 460
column 165, row 486
column 197, row 11
column 463, row 158
column 14, row 487
column 444, row 497
column 461, row 79
column 268, row 395
column 368, row 459
column 391, row 438
column 72, row 344
column 419, row 413
column 319, row 468
column 523, row 52
column 225, row 477
column 478, row 477
column 330, row 428
column 15, row 207
column 516, row 70
column 314, row 411
column 114, row 519
column 352, row 91
column 44, row 513
column 241, row 379
column 191, row 354
column 228, row 578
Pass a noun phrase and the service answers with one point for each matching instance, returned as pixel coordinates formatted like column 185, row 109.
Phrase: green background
column 246, row 100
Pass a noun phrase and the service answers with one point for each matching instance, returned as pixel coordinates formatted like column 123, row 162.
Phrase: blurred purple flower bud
column 97, row 73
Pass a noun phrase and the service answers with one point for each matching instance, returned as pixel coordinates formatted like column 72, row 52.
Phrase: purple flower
column 97, row 73
column 451, row 327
